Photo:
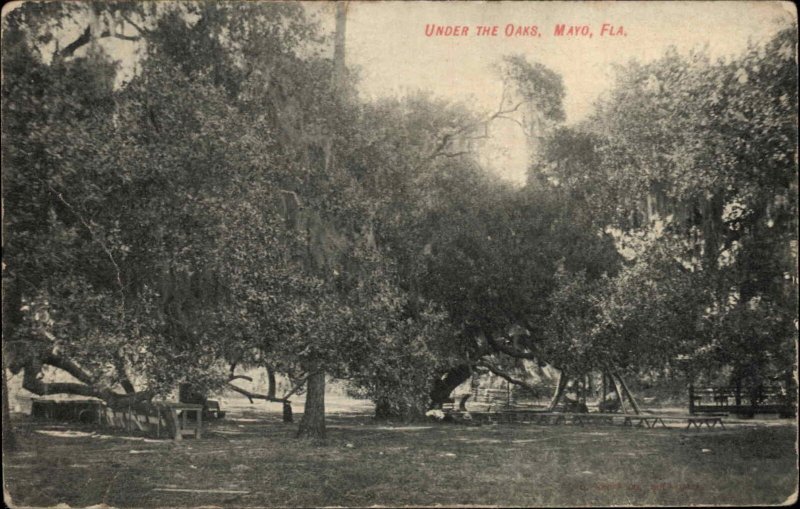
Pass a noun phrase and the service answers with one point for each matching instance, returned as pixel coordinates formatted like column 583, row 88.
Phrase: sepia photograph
column 262, row 254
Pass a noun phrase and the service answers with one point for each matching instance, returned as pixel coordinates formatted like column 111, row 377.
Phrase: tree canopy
column 233, row 203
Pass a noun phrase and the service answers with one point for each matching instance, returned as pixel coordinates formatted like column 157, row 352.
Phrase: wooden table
column 180, row 424
column 544, row 417
column 651, row 421
column 646, row 421
column 709, row 420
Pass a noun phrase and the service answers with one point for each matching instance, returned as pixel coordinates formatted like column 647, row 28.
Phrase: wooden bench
column 551, row 418
column 543, row 417
column 651, row 421
column 709, row 420
column 646, row 421
column 212, row 409
column 596, row 418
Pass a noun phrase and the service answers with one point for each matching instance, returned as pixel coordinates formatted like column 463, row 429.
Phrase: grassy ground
column 255, row 458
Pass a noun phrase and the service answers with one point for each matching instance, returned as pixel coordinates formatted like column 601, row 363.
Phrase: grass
column 362, row 464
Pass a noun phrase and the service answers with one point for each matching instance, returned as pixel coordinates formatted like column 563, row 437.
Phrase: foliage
column 691, row 164
column 220, row 207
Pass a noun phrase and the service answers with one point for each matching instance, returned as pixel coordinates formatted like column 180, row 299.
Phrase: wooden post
column 603, row 377
column 287, row 411
column 199, row 432
column 691, row 399
column 589, row 387
column 174, row 415
column 738, row 392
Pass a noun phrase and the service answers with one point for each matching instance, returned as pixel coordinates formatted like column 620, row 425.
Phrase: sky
column 387, row 42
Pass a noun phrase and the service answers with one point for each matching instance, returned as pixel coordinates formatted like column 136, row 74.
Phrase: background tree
column 689, row 163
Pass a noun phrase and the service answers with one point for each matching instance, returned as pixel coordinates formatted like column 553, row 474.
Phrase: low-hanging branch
column 252, row 395
column 32, row 383
column 506, row 376
column 63, row 364
column 255, row 395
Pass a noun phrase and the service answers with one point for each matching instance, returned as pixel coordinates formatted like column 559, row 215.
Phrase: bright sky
column 387, row 41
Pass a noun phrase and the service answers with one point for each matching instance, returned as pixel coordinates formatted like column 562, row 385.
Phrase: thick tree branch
column 504, row 375
column 67, row 365
column 31, row 382
column 138, row 28
column 82, row 40
column 86, row 37
column 88, row 386
column 125, row 382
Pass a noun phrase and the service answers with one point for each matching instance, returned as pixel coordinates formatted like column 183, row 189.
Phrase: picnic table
column 177, row 415
column 709, row 420
column 651, row 421
column 648, row 421
column 543, row 417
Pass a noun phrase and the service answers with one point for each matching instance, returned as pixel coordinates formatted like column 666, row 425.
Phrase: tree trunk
column 287, row 411
column 562, row 384
column 605, row 386
column 383, row 410
column 443, row 387
column 11, row 317
column 629, row 394
column 270, row 383
column 618, row 393
column 312, row 425
column 338, row 48
column 9, row 440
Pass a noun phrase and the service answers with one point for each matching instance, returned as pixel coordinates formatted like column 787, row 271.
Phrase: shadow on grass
column 253, row 459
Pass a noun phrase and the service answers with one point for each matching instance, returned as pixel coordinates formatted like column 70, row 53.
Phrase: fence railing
column 741, row 400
